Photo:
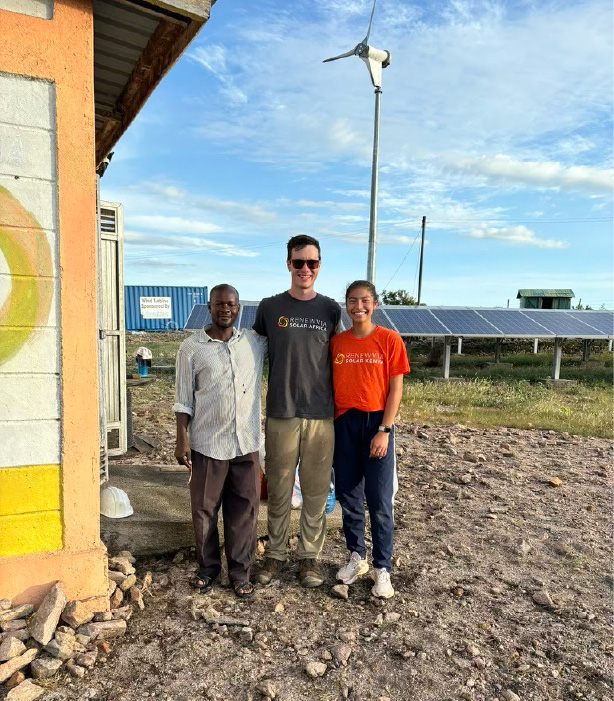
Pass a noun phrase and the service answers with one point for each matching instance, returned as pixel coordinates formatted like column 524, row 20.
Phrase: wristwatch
column 384, row 429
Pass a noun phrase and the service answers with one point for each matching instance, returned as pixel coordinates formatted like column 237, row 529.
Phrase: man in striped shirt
column 217, row 395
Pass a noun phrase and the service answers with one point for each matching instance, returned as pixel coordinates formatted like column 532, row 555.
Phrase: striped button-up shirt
column 217, row 384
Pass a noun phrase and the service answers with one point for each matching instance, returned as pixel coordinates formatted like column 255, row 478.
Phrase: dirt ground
column 503, row 581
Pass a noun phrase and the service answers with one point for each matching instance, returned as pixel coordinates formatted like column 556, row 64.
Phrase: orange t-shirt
column 363, row 366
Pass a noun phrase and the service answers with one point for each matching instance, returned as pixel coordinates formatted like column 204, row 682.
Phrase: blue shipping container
column 160, row 307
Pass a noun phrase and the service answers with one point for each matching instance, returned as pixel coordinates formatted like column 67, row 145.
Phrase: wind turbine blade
column 345, row 55
column 366, row 39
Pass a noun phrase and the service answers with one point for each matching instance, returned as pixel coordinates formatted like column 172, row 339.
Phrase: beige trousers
column 308, row 443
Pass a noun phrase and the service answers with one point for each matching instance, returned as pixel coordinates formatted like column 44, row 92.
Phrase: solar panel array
column 248, row 316
column 199, row 317
column 457, row 321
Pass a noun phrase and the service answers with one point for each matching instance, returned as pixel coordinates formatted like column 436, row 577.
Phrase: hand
column 183, row 454
column 379, row 445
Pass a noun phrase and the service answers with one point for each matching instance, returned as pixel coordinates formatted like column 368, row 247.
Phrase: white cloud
column 549, row 174
column 516, row 235
column 160, row 263
column 171, row 243
column 471, row 76
column 174, row 194
column 213, row 58
column 173, row 224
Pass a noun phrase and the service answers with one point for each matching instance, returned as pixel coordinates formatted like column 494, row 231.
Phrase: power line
column 401, row 263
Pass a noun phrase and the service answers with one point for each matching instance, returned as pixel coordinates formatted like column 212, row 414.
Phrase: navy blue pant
column 357, row 476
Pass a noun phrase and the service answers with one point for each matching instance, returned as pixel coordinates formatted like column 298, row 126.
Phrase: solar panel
column 602, row 321
column 379, row 317
column 417, row 321
column 248, row 316
column 199, row 316
column 511, row 322
column 345, row 320
column 465, row 322
column 561, row 323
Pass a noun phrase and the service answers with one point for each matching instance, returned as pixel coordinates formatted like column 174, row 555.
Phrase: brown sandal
column 243, row 588
column 200, row 581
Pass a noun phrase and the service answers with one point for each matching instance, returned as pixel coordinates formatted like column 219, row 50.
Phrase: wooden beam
column 165, row 46
column 155, row 11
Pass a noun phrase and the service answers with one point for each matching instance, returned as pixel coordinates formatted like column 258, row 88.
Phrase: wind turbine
column 376, row 59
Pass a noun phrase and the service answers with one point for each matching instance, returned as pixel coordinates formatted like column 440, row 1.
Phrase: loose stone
column 127, row 555
column 10, row 667
column 45, row 620
column 121, row 564
column 341, row 653
column 76, row 613
column 87, row 659
column 315, row 669
column 10, row 626
column 62, row 646
column 11, row 647
column 128, row 582
column 136, row 597
column 13, row 614
column 543, row 598
column 103, row 630
column 341, row 591
column 103, row 616
column 45, row 667
column 26, row 691
column 266, row 687
column 75, row 670
column 116, row 598
column 509, row 695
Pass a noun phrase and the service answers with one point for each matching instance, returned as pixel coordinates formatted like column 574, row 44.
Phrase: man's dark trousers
column 357, row 476
column 235, row 484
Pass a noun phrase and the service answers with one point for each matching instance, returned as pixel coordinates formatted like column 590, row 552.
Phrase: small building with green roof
column 545, row 299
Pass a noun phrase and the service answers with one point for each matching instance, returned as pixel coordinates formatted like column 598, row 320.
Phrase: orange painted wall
column 61, row 49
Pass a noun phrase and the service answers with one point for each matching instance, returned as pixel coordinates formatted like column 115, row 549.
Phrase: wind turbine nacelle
column 376, row 59
column 370, row 52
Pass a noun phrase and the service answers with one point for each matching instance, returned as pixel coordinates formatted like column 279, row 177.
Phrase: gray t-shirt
column 298, row 331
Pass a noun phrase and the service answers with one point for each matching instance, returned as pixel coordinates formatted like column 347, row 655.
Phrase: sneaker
column 269, row 570
column 310, row 574
column 354, row 568
column 382, row 588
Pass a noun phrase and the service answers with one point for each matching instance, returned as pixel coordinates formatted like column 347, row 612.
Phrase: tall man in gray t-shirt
column 299, row 324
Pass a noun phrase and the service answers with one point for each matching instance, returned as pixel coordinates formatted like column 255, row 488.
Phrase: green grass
column 163, row 346
column 580, row 409
column 485, row 397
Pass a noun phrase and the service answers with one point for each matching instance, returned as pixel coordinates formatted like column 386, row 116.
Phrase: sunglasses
column 298, row 263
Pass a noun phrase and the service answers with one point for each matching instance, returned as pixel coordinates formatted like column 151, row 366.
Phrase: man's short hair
column 300, row 241
column 225, row 287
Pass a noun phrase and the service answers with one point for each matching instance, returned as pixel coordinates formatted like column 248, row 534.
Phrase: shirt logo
column 339, row 358
column 282, row 321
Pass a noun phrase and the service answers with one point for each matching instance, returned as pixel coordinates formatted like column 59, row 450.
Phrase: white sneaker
column 354, row 568
column 382, row 587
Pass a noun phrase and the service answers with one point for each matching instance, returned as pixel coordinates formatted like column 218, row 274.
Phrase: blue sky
column 496, row 125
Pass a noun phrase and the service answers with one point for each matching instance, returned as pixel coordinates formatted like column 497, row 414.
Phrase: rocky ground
column 503, row 579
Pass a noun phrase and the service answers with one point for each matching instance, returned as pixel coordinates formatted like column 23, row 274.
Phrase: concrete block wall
column 49, row 434
column 30, row 431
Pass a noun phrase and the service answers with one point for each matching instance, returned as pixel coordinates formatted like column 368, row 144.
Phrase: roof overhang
column 135, row 43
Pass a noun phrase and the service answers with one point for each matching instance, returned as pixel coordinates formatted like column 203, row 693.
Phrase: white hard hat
column 114, row 503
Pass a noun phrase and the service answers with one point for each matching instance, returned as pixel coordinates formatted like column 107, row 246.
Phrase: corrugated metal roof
column 545, row 293
column 135, row 43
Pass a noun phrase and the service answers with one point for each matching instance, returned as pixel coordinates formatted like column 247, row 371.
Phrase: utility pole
column 421, row 260
column 374, row 178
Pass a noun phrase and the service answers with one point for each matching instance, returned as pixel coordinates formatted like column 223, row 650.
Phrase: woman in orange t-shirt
column 368, row 363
